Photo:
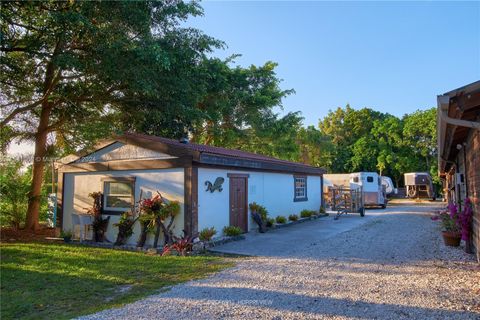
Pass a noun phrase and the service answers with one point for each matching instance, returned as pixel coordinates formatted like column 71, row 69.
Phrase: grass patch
column 58, row 281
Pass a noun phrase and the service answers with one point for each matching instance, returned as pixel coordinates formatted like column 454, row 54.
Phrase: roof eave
column 255, row 164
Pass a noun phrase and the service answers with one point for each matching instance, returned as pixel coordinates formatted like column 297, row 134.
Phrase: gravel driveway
column 391, row 265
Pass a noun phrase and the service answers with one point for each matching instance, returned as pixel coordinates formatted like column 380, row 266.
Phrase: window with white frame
column 300, row 184
column 118, row 195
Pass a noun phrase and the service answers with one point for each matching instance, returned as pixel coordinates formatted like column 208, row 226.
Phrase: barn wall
column 275, row 191
column 77, row 186
column 473, row 181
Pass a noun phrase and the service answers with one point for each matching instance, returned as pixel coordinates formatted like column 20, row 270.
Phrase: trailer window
column 300, row 188
column 369, row 179
column 355, row 179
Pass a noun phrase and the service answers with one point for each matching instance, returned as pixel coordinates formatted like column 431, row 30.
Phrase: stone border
column 197, row 246
column 300, row 220
column 110, row 245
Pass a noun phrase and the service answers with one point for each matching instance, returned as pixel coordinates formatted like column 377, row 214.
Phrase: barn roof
column 207, row 155
column 458, row 112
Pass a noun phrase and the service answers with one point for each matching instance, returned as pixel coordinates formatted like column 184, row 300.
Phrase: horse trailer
column 370, row 182
column 419, row 185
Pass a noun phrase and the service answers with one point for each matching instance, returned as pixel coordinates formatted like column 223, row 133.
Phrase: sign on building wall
column 217, row 185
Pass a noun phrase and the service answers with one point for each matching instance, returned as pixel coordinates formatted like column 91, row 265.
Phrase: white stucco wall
column 275, row 191
column 77, row 186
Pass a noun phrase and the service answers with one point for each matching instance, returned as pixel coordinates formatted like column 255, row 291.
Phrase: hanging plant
column 168, row 212
column 99, row 224
column 125, row 227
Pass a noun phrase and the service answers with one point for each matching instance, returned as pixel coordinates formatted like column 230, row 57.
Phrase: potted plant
column 452, row 233
column 66, row 235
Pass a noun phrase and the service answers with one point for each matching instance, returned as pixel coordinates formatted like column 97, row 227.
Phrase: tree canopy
column 76, row 69
column 74, row 72
column 368, row 140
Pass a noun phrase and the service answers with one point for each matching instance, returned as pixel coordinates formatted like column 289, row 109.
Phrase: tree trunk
column 143, row 234
column 49, row 83
column 33, row 211
column 157, row 232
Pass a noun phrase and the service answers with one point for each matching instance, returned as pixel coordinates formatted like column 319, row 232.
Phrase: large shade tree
column 67, row 67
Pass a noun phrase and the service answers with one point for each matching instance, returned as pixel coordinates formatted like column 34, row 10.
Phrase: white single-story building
column 213, row 185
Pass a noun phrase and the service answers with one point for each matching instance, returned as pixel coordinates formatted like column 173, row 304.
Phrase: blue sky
column 393, row 57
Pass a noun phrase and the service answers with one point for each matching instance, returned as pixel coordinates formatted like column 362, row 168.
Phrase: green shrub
column 293, row 217
column 307, row 213
column 270, row 222
column 322, row 210
column 207, row 234
column 232, row 231
column 281, row 219
column 14, row 188
column 66, row 234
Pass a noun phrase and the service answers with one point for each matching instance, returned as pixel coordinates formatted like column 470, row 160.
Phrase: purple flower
column 465, row 219
column 453, row 210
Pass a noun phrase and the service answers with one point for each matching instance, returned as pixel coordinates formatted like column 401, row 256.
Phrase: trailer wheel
column 362, row 212
column 412, row 192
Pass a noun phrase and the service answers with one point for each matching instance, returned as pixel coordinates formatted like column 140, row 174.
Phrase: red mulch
column 11, row 235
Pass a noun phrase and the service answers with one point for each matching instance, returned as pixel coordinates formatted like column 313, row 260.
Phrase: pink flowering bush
column 451, row 220
column 454, row 221
column 465, row 219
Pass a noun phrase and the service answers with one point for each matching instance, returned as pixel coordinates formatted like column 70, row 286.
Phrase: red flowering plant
column 153, row 205
column 149, row 209
column 155, row 213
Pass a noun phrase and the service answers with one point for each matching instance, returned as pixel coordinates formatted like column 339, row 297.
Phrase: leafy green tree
column 420, row 134
column 345, row 127
column 14, row 187
column 236, row 102
column 315, row 148
column 367, row 140
column 68, row 68
column 364, row 155
column 388, row 136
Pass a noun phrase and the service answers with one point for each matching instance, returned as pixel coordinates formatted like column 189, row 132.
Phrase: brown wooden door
column 238, row 203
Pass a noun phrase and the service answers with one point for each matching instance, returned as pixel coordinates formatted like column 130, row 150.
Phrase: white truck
column 370, row 182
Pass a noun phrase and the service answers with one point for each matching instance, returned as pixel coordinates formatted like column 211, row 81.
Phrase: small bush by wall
column 281, row 219
column 293, row 217
column 232, row 231
column 270, row 222
column 207, row 234
column 307, row 213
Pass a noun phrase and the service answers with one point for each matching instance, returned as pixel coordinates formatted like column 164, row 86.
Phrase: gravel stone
column 394, row 266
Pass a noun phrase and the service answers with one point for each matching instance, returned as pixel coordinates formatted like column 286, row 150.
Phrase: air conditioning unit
column 459, row 178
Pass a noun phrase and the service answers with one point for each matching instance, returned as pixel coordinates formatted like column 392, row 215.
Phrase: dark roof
column 466, row 88
column 207, row 150
column 460, row 104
